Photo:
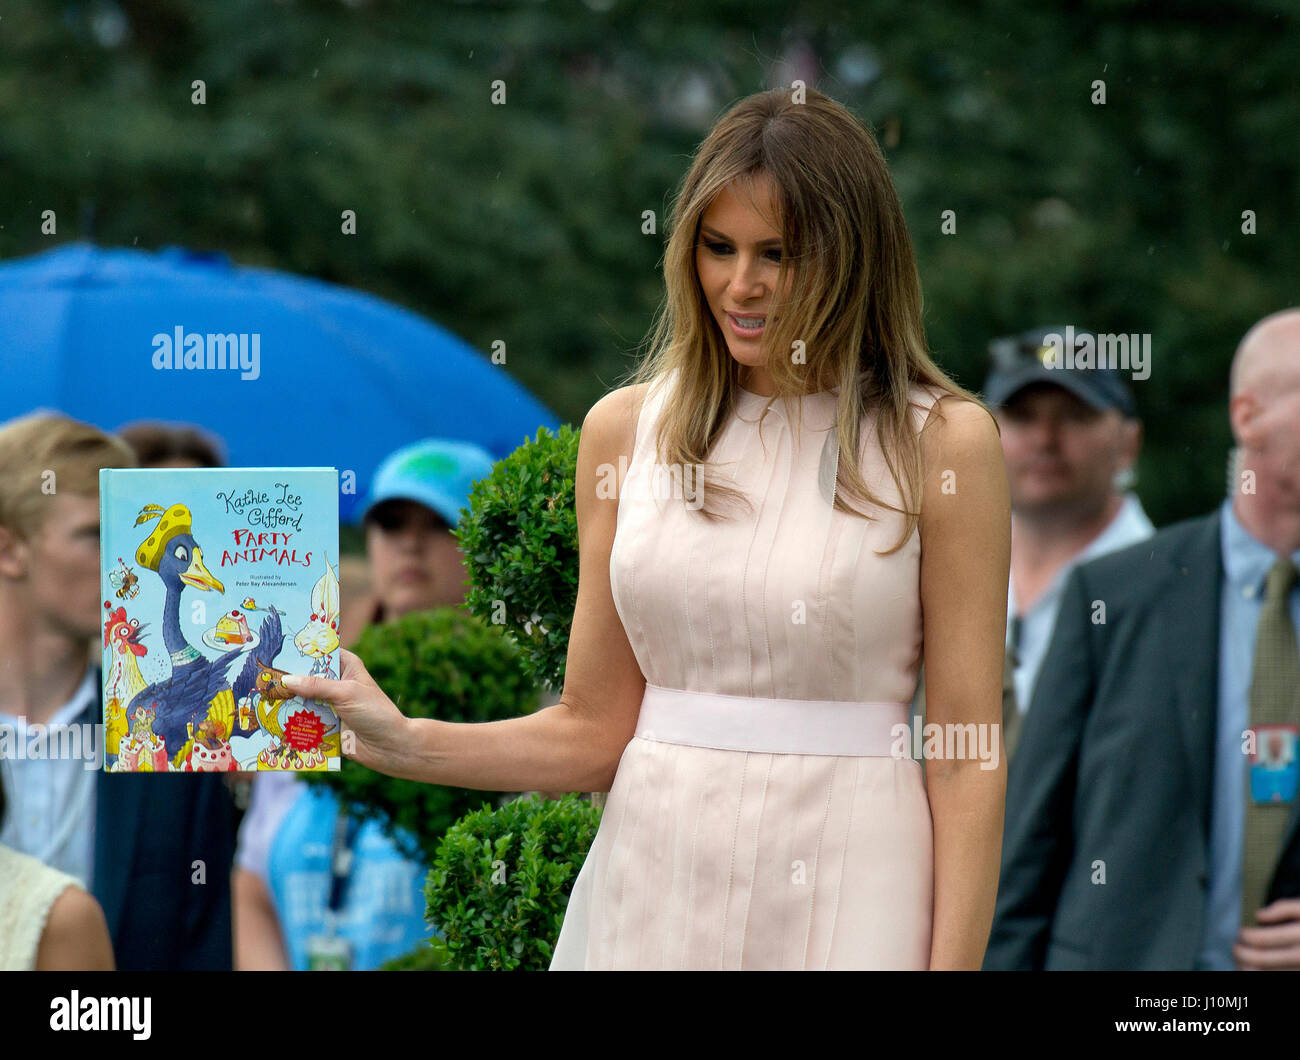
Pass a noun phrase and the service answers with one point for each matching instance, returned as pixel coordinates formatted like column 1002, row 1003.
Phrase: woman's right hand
column 374, row 732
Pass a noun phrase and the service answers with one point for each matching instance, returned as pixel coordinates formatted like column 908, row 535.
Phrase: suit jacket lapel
column 1191, row 655
column 119, row 809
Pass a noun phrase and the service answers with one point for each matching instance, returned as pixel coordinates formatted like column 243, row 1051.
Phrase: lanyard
column 342, row 857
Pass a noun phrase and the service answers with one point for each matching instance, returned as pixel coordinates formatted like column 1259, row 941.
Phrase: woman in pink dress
column 810, row 506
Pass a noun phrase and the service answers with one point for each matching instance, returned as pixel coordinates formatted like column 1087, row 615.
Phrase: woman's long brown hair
column 854, row 311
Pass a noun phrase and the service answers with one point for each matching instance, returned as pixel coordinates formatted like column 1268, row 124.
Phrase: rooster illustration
column 124, row 680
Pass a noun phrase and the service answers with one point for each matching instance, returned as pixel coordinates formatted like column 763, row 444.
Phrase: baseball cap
column 1038, row 356
column 436, row 472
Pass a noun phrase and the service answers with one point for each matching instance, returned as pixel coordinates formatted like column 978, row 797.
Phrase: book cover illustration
column 216, row 582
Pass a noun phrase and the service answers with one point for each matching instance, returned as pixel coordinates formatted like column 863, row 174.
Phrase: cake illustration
column 142, row 754
column 143, row 751
column 233, row 629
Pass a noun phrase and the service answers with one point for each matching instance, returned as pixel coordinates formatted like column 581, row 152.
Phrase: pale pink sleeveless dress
column 712, row 857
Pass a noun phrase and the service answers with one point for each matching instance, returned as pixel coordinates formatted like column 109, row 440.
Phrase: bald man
column 1162, row 730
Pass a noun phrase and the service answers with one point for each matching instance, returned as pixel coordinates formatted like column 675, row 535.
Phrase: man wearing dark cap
column 1070, row 437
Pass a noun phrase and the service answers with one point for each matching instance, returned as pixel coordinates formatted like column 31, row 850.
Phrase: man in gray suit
column 1152, row 818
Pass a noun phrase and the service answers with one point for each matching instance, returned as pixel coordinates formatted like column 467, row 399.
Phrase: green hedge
column 501, row 881
column 428, row 956
column 520, row 539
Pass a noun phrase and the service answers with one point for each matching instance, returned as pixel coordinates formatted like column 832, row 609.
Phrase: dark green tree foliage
column 520, row 539
column 1124, row 216
column 525, row 222
column 502, row 880
column 442, row 664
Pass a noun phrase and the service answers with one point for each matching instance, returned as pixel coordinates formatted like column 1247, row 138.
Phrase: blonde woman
column 48, row 921
column 747, row 639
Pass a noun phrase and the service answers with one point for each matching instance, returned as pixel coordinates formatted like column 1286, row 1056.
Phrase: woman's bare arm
column 574, row 745
column 259, row 942
column 965, row 555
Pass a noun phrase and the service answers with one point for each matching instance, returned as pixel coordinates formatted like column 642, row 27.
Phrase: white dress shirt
column 1129, row 526
column 51, row 800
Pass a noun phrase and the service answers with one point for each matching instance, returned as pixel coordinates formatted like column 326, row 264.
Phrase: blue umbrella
column 286, row 370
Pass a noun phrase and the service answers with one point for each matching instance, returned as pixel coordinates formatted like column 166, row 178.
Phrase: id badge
column 328, row 953
column 1275, row 765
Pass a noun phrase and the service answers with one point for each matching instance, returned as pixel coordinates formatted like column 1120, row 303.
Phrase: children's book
column 216, row 582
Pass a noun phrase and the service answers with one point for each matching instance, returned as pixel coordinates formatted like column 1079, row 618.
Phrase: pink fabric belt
column 774, row 726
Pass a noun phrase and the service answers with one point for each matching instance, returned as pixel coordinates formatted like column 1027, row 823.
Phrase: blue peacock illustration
column 198, row 696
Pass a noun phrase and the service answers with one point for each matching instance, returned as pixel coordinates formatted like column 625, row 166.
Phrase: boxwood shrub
column 520, row 539
column 501, row 882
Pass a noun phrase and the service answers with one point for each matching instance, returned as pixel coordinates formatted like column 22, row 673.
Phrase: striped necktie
column 1274, row 699
column 1011, row 717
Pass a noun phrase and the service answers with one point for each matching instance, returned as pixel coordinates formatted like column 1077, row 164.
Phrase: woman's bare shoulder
column 965, row 473
column 76, row 934
column 624, row 401
column 611, row 422
column 954, row 420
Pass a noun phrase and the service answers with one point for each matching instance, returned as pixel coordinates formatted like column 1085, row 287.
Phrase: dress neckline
column 818, row 409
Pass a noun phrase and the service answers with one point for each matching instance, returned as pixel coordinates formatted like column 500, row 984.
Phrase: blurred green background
column 523, row 222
